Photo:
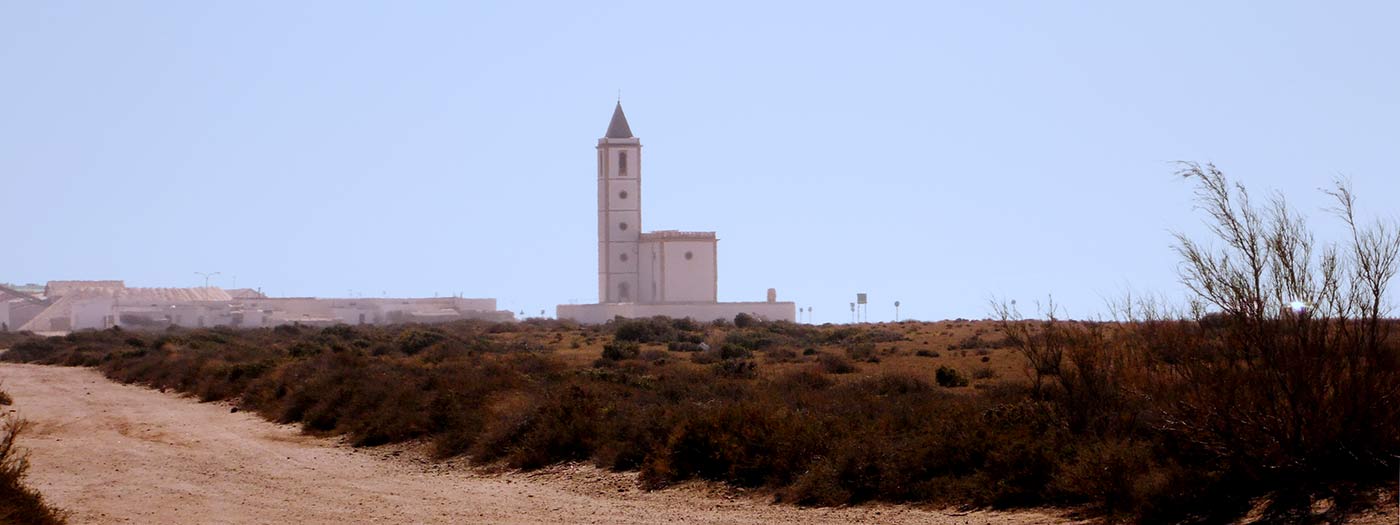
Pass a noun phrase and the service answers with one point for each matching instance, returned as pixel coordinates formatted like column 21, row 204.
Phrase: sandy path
column 112, row 453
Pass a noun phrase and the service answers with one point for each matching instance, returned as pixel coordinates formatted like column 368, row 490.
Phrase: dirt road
column 112, row 453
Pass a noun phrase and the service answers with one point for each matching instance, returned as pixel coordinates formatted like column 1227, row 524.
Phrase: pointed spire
column 618, row 128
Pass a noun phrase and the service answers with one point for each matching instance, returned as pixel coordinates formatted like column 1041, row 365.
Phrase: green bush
column 743, row 320
column 949, row 377
column 733, row 351
column 619, row 350
column 656, row 330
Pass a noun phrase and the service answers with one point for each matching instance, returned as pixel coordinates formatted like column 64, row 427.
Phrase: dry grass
column 776, row 417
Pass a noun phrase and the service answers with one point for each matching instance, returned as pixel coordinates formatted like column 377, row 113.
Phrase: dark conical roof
column 618, row 128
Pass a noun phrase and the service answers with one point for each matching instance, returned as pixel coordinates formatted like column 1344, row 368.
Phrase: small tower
column 619, row 211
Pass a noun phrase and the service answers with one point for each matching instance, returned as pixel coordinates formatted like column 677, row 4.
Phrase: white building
column 672, row 273
column 81, row 305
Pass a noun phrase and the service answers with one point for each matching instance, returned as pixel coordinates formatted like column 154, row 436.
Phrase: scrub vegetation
column 19, row 504
column 1277, row 391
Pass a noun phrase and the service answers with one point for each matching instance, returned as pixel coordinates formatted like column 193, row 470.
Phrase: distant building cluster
column 640, row 274
column 63, row 306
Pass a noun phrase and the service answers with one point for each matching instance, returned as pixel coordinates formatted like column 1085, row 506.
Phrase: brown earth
column 112, row 453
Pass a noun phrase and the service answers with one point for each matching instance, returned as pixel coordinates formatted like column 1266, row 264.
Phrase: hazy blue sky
column 934, row 153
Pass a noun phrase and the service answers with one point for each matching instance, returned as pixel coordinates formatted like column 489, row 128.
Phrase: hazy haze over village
column 936, row 156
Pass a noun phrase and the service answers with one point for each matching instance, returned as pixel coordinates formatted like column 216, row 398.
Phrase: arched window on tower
column 622, row 164
column 623, row 293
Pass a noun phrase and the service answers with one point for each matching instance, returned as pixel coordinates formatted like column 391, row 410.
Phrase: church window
column 623, row 292
column 689, row 256
column 623, row 257
column 622, row 226
column 622, row 194
column 622, row 164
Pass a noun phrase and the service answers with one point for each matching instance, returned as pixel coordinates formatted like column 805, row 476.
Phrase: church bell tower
column 619, row 211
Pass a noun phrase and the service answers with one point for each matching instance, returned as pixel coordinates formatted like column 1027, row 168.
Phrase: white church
column 668, row 272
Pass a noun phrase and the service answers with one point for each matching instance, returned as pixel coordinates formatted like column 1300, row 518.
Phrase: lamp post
column 206, row 275
column 896, row 311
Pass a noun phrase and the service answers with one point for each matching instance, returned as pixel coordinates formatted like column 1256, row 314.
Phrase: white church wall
column 649, row 272
column 627, row 258
column 623, row 194
column 689, row 271
column 619, row 218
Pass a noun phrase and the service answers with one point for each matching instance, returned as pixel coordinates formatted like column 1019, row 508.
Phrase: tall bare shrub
column 1287, row 377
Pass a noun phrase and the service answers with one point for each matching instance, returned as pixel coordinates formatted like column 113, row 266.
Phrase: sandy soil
column 112, row 453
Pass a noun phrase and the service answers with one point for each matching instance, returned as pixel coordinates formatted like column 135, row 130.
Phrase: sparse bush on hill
column 619, row 350
column 949, row 377
column 751, row 340
column 743, row 320
column 861, row 351
column 736, row 368
column 733, row 351
column 679, row 346
column 835, row 364
column 656, row 330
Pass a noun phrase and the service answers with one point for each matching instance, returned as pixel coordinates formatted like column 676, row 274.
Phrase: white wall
column 667, row 276
column 689, row 271
column 359, row 314
column 619, row 219
column 97, row 313
column 602, row 313
column 252, row 318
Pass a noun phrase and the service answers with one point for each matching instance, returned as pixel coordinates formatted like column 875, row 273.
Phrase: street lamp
column 206, row 275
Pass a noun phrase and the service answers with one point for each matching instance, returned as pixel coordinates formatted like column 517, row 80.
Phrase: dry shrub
column 835, row 364
column 949, row 377
column 736, row 369
column 619, row 350
column 18, row 502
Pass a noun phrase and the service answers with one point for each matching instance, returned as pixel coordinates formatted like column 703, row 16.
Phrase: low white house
column 97, row 313
column 82, row 305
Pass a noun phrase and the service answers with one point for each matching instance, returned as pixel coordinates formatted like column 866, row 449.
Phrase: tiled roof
column 55, row 289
